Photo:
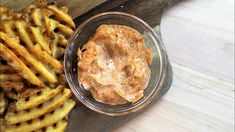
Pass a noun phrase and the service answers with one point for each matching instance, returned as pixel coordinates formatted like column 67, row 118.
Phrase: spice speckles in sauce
column 113, row 65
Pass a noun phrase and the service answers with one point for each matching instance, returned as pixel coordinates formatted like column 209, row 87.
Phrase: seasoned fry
column 36, row 15
column 54, row 45
column 8, row 86
column 62, row 15
column 10, row 77
column 42, row 55
column 3, row 103
column 23, row 34
column 2, row 128
column 68, row 31
column 60, row 126
column 6, row 69
column 64, row 9
column 40, row 40
column 33, row 101
column 18, row 65
column 12, row 95
column 50, row 24
column 5, row 13
column 28, row 57
column 50, row 105
column 46, row 120
column 7, row 27
column 62, row 41
column 29, row 92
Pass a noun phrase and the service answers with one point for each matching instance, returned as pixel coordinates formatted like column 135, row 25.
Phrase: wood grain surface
column 199, row 39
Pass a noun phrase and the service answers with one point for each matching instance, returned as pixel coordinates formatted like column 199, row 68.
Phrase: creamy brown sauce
column 113, row 65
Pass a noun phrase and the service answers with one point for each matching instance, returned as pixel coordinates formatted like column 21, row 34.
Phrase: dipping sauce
column 113, row 65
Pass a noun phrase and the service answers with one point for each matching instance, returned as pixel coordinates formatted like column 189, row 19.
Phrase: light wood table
column 199, row 38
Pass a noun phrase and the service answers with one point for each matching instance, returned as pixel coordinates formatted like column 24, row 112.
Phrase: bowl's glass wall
column 81, row 36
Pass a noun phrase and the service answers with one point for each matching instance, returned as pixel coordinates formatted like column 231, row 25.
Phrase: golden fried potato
column 10, row 77
column 62, row 15
column 8, row 86
column 7, row 26
column 18, row 65
column 23, row 34
column 37, row 17
column 38, row 36
column 43, row 56
column 59, row 126
column 45, row 120
column 33, row 113
column 12, row 95
column 28, row 92
column 3, row 104
column 6, row 69
column 14, row 44
column 27, row 103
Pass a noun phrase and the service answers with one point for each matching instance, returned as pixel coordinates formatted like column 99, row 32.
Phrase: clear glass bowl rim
column 155, row 90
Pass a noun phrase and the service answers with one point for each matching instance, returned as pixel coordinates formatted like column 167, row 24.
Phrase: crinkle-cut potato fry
column 10, row 77
column 37, row 17
column 6, row 69
column 3, row 103
column 68, row 31
column 59, row 126
column 38, row 36
column 8, row 86
column 18, row 65
column 64, row 9
column 44, row 121
column 33, row 113
column 62, row 15
column 7, row 26
column 46, row 94
column 23, row 34
column 5, row 13
column 14, row 44
column 29, row 92
column 62, row 41
column 50, row 24
column 2, row 128
column 58, row 52
column 12, row 95
column 43, row 79
column 43, row 56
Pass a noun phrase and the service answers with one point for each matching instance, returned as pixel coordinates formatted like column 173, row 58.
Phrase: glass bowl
column 81, row 36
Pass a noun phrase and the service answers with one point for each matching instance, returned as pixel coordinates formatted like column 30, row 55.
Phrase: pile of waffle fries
column 33, row 93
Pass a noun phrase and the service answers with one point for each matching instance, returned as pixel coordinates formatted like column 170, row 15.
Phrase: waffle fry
column 44, row 121
column 6, row 69
column 37, row 51
column 62, row 15
column 7, row 26
column 14, row 44
column 23, row 34
column 12, row 95
column 18, row 65
column 10, row 77
column 40, row 39
column 59, row 126
column 3, row 103
column 50, row 105
column 8, row 86
column 33, row 101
